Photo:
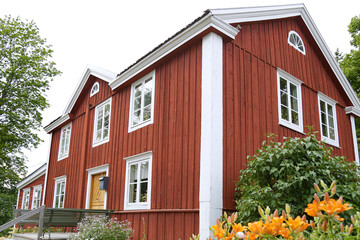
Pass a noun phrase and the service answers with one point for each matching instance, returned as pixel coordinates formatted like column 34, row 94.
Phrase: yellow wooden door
column 96, row 195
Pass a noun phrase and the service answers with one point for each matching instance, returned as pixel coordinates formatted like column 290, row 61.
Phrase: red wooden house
column 170, row 133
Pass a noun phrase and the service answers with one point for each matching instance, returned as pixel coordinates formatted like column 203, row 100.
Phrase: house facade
column 166, row 137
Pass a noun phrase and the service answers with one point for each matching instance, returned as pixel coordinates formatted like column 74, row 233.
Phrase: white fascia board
column 32, row 177
column 56, row 123
column 352, row 110
column 251, row 14
column 188, row 34
column 90, row 70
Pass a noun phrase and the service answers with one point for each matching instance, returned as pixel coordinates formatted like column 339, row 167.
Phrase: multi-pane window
column 25, row 199
column 64, row 142
column 295, row 40
column 36, row 197
column 289, row 97
column 327, row 110
column 138, row 182
column 142, row 102
column 59, row 193
column 102, row 123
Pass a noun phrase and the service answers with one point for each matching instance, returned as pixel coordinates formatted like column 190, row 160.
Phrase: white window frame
column 142, row 123
column 59, row 180
column 290, row 79
column 68, row 135
column 91, row 172
column 36, row 188
column 103, row 140
column 292, row 32
column 94, row 90
column 26, row 192
column 332, row 103
column 138, row 159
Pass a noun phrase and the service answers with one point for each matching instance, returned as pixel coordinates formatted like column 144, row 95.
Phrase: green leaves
column 282, row 173
column 25, row 73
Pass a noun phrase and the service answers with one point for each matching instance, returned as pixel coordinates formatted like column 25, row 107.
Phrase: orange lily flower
column 238, row 227
column 313, row 209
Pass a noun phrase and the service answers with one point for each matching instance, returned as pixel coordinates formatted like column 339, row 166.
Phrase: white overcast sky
column 114, row 34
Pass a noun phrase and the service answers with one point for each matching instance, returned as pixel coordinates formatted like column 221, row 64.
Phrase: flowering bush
column 102, row 228
column 327, row 223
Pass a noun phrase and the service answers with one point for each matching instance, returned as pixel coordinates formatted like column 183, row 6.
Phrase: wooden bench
column 59, row 217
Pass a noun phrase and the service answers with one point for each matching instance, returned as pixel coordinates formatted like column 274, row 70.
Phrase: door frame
column 91, row 172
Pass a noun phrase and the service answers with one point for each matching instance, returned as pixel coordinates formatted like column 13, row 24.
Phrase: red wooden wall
column 39, row 181
column 250, row 92
column 173, row 138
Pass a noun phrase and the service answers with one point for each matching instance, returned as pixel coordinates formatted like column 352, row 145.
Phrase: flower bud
column 240, row 235
column 303, row 218
column 261, row 211
column 276, row 213
column 323, row 184
column 317, row 187
column 287, row 209
column 333, row 190
column 326, row 197
column 351, row 228
column 352, row 219
column 333, row 184
column 267, row 210
column 312, row 224
column 342, row 227
column 324, row 225
column 316, row 197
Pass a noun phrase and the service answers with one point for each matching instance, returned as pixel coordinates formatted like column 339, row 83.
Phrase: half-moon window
column 295, row 40
column 94, row 89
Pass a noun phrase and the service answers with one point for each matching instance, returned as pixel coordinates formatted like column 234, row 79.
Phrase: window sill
column 140, row 125
column 100, row 142
column 330, row 142
column 292, row 127
column 137, row 207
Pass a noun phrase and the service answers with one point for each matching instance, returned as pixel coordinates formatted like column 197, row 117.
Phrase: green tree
column 25, row 72
column 284, row 173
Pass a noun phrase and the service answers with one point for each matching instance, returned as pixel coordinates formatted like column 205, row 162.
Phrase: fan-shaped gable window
column 94, row 89
column 295, row 40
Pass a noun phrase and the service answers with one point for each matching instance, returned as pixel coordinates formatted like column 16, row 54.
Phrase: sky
column 113, row 34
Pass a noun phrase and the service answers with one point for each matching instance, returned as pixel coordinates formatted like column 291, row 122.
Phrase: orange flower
column 251, row 235
column 256, row 227
column 313, row 209
column 297, row 224
column 285, row 233
column 332, row 206
column 238, row 227
column 218, row 231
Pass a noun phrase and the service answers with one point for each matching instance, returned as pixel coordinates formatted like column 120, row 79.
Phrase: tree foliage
column 284, row 173
column 25, row 72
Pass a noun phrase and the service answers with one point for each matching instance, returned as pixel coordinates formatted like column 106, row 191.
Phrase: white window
column 95, row 89
column 295, row 40
column 289, row 101
column 102, row 123
column 142, row 102
column 138, row 182
column 36, row 197
column 328, row 122
column 59, row 193
column 25, row 199
column 64, row 142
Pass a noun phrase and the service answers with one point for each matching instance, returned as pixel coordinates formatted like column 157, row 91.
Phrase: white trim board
column 211, row 147
column 91, row 172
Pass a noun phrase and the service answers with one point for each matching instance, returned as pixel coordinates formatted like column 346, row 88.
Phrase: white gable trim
column 238, row 15
column 194, row 30
column 90, row 70
column 32, row 177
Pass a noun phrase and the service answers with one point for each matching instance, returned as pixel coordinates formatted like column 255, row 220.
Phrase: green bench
column 59, row 217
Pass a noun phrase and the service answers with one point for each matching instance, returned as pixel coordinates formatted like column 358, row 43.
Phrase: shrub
column 282, row 173
column 102, row 228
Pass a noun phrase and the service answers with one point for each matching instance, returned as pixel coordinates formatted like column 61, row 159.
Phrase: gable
column 253, row 14
column 268, row 41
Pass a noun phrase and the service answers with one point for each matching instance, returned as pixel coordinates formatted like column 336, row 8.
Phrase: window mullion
column 289, row 101
column 138, row 183
column 142, row 101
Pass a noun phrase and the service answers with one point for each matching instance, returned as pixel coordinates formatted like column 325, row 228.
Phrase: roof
column 101, row 73
column 32, row 176
column 219, row 20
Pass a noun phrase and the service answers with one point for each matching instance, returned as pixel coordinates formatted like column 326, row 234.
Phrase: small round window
column 295, row 40
column 94, row 89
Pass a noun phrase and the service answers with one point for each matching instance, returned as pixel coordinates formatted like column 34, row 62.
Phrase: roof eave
column 32, row 177
column 61, row 120
column 208, row 21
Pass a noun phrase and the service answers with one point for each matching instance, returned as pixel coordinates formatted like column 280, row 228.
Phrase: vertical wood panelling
column 173, row 138
column 250, row 92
